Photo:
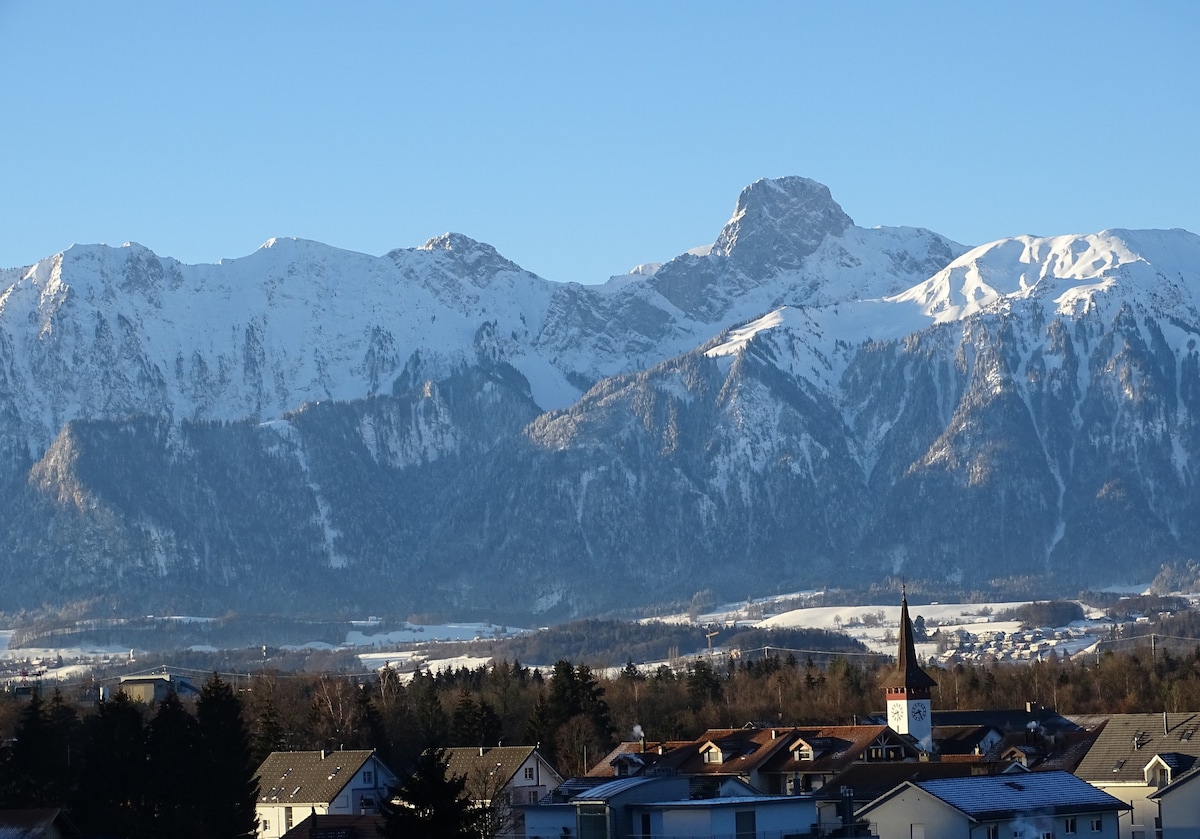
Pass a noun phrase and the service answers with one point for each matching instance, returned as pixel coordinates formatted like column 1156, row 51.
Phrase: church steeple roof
column 908, row 673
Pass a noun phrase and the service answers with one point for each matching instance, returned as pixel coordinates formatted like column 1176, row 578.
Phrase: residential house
column 659, row 806
column 1136, row 754
column 502, row 778
column 643, row 757
column 295, row 785
column 1178, row 807
column 813, row 756
column 862, row 783
column 599, row 811
column 748, row 816
column 1034, row 805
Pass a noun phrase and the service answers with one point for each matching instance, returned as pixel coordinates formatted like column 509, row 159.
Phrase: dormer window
column 713, row 755
column 803, row 753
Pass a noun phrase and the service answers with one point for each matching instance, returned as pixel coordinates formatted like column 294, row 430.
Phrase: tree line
column 123, row 769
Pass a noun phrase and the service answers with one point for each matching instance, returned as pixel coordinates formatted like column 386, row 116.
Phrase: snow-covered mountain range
column 805, row 401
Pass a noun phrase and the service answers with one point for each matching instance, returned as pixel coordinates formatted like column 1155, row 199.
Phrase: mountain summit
column 777, row 223
column 437, row 429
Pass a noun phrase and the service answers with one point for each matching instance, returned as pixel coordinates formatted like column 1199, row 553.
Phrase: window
column 916, row 831
column 368, row 776
column 529, row 773
column 993, row 831
column 533, row 796
column 287, row 819
column 1097, row 824
column 1069, row 825
column 266, row 825
column 744, row 824
column 592, row 821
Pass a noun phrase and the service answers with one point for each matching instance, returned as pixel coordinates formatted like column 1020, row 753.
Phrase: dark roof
column 992, row 797
column 746, row 750
column 1176, row 761
column 1129, row 741
column 835, row 747
column 504, row 760
column 336, row 827
column 611, row 789
column 665, row 755
column 1043, row 720
column 908, row 672
column 570, row 788
column 961, row 739
column 307, row 777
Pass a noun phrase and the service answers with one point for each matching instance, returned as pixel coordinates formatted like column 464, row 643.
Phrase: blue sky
column 583, row 138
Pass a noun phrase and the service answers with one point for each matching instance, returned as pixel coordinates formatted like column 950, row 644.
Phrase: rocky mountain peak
column 778, row 222
column 477, row 261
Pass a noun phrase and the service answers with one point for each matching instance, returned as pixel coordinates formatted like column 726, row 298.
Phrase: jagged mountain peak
column 780, row 221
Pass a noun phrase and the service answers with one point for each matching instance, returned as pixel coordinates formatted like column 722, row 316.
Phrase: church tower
column 907, row 689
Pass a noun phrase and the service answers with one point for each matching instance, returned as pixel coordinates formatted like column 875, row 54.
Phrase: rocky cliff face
column 810, row 403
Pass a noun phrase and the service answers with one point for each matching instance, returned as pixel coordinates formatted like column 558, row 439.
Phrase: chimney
column 1165, row 729
column 322, row 754
column 643, row 744
column 481, row 751
column 846, row 810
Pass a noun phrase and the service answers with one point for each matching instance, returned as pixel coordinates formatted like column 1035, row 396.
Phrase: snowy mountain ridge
column 805, row 402
column 123, row 331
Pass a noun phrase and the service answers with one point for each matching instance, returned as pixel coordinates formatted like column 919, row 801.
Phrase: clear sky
column 582, row 138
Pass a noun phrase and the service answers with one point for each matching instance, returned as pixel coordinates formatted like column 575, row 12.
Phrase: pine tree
column 430, row 805
column 228, row 785
column 172, row 748
column 111, row 801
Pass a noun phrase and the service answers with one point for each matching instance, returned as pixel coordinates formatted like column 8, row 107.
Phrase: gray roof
column 1129, row 741
column 308, row 777
column 504, row 760
column 614, row 788
column 992, row 797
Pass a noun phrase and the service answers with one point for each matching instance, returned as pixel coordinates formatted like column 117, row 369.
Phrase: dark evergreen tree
column 36, row 760
column 429, row 804
column 228, row 786
column 269, row 734
column 172, row 780
column 111, row 795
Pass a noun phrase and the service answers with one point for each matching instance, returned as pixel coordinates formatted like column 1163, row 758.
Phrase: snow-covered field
column 420, row 647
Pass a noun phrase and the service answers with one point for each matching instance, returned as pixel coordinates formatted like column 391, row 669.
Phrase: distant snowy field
column 420, row 646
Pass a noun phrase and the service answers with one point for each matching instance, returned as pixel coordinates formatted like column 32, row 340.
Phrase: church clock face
column 920, row 711
column 897, row 713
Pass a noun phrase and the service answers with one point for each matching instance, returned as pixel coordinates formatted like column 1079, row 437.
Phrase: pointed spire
column 908, row 673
